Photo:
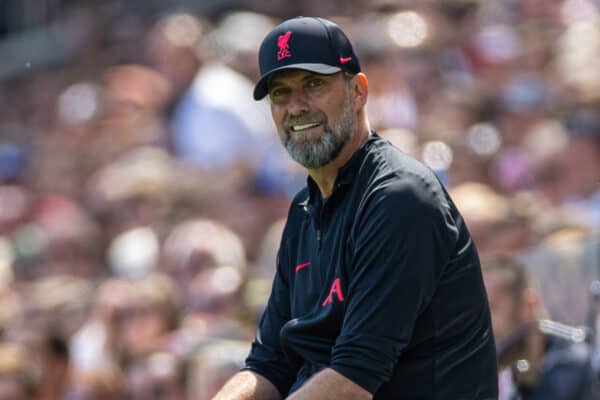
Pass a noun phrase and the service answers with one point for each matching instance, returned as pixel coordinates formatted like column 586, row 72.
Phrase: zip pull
column 318, row 239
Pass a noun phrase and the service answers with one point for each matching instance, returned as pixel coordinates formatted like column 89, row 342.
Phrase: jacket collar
column 345, row 174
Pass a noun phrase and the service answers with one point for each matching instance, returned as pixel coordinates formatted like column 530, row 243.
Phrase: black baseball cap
column 307, row 43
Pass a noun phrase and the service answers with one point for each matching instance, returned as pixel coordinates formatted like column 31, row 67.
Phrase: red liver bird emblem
column 284, row 46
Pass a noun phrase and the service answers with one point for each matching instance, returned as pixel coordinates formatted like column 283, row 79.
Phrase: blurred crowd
column 142, row 190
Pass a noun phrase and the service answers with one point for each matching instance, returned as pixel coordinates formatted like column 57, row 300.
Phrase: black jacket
column 380, row 282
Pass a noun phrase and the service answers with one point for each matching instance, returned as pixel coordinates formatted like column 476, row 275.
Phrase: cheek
column 339, row 112
column 278, row 116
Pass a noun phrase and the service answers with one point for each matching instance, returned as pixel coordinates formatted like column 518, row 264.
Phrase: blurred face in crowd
column 581, row 167
column 146, row 385
column 141, row 325
column 313, row 114
column 184, row 272
column 505, row 306
column 505, row 236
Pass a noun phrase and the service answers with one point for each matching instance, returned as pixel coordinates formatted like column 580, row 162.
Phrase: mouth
column 303, row 127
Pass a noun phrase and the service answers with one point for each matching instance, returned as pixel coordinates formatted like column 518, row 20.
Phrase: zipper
column 318, row 239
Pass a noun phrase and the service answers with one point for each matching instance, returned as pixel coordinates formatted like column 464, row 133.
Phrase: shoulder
column 300, row 197
column 399, row 180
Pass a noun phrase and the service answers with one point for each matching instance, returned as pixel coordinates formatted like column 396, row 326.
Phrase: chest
column 320, row 262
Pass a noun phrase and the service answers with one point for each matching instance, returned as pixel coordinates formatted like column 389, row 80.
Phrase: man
column 539, row 359
column 378, row 291
column 581, row 162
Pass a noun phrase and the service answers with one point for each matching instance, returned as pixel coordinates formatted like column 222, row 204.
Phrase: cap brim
column 261, row 89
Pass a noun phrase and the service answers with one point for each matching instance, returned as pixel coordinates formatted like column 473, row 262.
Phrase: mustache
column 309, row 118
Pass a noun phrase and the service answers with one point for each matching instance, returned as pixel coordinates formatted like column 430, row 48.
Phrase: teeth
column 302, row 127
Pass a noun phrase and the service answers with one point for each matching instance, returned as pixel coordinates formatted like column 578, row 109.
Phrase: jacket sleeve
column 266, row 356
column 403, row 237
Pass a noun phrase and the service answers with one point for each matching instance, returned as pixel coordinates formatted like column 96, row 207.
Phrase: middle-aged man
column 378, row 291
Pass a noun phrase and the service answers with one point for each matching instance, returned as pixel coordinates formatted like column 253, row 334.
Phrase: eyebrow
column 273, row 80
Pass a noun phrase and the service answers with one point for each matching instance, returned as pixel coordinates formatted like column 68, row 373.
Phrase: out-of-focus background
column 143, row 191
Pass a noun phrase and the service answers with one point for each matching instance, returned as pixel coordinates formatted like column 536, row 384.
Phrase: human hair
column 511, row 273
column 158, row 290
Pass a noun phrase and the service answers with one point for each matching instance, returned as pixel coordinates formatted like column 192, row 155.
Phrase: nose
column 298, row 103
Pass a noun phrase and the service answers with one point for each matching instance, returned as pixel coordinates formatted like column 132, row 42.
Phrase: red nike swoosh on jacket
column 300, row 266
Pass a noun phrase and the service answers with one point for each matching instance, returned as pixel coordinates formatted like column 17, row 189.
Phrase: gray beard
column 314, row 153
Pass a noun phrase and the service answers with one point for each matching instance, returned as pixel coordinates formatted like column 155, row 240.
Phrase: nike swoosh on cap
column 344, row 60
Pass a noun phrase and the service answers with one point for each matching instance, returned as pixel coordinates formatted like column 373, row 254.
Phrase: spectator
column 208, row 262
column 158, row 376
column 541, row 359
column 563, row 267
column 581, row 162
column 494, row 220
column 144, row 322
column 96, row 96
column 197, row 245
column 202, row 109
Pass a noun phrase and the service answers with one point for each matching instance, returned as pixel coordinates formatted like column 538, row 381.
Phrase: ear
column 361, row 90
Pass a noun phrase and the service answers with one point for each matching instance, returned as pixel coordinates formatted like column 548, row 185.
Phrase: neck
column 536, row 343
column 325, row 176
